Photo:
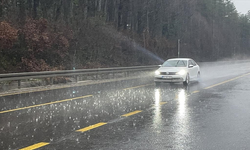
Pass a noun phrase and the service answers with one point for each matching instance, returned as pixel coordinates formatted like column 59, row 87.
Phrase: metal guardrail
column 80, row 72
column 75, row 73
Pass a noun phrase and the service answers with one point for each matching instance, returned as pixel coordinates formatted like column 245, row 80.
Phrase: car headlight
column 157, row 72
column 182, row 72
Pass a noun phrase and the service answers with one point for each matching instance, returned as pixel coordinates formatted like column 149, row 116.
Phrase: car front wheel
column 186, row 82
column 157, row 83
column 198, row 76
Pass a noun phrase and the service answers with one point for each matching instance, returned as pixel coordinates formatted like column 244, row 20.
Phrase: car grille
column 172, row 79
column 168, row 73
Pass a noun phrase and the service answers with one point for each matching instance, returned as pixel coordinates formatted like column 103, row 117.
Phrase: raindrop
column 88, row 137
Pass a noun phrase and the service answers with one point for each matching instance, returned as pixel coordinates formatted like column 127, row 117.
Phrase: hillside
column 38, row 35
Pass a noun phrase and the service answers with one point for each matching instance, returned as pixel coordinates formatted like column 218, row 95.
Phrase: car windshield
column 175, row 63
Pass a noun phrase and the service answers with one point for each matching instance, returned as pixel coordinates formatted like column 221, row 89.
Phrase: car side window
column 193, row 62
column 190, row 62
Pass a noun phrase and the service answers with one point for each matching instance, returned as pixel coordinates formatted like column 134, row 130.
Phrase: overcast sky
column 242, row 6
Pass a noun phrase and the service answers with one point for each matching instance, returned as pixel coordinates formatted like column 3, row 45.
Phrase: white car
column 178, row 70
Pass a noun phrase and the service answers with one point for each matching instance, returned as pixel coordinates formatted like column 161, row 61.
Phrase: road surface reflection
column 179, row 119
column 157, row 121
column 182, row 119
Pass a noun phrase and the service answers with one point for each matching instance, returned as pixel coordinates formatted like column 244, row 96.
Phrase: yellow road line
column 35, row 146
column 32, row 91
column 195, row 92
column 2, row 95
column 226, row 81
column 137, row 87
column 132, row 113
column 6, row 111
column 92, row 127
column 162, row 103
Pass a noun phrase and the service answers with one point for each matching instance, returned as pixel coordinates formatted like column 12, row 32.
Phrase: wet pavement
column 133, row 114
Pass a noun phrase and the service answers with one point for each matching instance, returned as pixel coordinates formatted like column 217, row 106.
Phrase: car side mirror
column 190, row 66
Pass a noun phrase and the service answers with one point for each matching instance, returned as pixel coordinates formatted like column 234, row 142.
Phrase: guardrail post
column 96, row 76
column 51, row 80
column 19, row 84
column 76, row 78
column 43, row 82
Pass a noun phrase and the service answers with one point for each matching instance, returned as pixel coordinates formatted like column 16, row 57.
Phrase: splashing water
column 117, row 35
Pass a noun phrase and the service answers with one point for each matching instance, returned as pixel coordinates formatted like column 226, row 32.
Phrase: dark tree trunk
column 22, row 14
column 36, row 5
column 1, row 9
column 119, row 21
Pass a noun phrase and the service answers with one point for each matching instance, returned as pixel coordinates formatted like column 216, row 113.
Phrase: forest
column 42, row 35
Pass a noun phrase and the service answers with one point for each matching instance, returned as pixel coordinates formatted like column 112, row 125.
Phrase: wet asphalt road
column 134, row 114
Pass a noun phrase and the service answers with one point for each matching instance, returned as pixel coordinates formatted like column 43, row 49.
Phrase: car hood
column 171, row 69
